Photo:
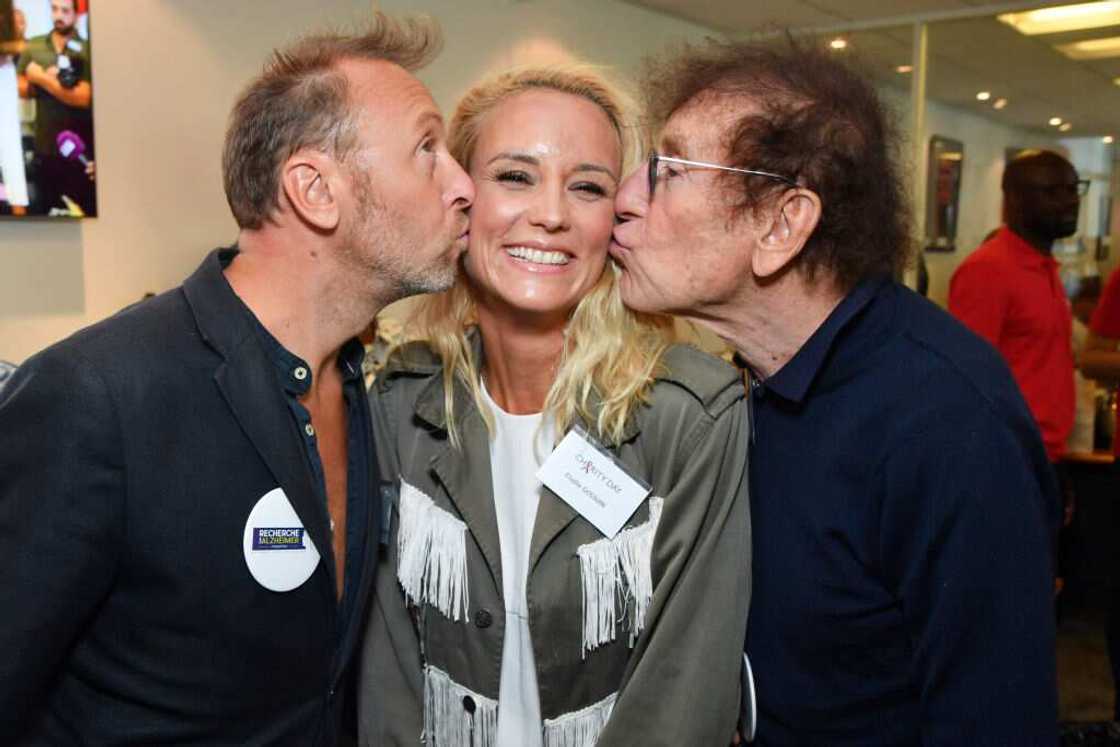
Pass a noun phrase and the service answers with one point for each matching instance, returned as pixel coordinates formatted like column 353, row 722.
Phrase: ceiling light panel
column 1091, row 49
column 1064, row 18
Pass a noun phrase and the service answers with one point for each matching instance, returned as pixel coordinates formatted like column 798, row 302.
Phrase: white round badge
column 278, row 550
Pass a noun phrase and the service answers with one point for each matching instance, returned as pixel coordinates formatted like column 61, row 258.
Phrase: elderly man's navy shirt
column 902, row 585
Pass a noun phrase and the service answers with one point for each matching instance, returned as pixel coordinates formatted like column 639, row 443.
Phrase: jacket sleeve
column 964, row 542
column 61, row 521
column 682, row 681
column 979, row 303
column 391, row 683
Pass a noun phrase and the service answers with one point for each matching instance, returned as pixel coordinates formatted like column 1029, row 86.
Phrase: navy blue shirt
column 294, row 378
column 899, row 494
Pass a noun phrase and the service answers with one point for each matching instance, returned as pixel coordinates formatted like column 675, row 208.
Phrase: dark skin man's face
column 1042, row 198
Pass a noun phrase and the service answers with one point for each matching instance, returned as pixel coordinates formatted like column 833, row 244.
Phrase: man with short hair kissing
column 189, row 512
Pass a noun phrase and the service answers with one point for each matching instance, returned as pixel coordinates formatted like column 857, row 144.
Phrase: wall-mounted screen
column 47, row 161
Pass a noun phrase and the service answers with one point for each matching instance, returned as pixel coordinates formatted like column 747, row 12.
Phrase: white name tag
column 592, row 483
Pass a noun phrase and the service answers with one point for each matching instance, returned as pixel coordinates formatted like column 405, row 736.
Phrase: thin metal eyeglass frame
column 655, row 158
column 1081, row 186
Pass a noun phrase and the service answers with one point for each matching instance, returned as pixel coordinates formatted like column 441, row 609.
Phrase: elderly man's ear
column 786, row 229
column 312, row 183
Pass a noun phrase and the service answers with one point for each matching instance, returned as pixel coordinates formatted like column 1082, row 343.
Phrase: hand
column 37, row 75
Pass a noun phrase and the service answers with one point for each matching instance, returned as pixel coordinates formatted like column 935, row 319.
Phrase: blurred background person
column 55, row 71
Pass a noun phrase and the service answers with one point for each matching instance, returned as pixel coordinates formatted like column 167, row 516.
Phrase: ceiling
column 966, row 55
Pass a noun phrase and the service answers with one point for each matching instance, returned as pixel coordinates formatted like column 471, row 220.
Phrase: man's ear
column 791, row 222
column 312, row 184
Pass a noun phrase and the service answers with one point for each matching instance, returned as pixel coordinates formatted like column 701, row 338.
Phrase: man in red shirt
column 1008, row 290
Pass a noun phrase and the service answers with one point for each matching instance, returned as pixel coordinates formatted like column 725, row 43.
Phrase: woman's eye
column 590, row 188
column 428, row 145
column 513, row 177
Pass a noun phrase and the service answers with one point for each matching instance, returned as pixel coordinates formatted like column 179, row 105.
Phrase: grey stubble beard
column 383, row 256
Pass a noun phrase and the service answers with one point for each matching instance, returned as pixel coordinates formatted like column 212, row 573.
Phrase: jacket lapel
column 465, row 475
column 259, row 406
column 553, row 516
column 255, row 400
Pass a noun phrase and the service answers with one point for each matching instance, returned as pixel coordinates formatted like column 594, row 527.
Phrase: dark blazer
column 130, row 457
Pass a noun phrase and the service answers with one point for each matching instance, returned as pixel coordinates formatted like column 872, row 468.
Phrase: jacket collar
column 431, row 406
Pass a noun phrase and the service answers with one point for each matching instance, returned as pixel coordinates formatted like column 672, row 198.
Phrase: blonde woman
column 507, row 613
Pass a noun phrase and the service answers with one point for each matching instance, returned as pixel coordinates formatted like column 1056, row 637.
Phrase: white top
column 517, row 492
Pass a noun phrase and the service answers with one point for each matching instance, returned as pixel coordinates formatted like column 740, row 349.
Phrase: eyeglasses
column 656, row 159
column 1081, row 187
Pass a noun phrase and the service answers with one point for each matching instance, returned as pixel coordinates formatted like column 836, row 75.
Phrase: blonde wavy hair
column 611, row 354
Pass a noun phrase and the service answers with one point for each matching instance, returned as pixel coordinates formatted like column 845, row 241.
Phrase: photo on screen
column 47, row 162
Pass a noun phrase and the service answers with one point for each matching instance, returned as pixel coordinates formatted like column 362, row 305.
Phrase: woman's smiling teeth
column 537, row 256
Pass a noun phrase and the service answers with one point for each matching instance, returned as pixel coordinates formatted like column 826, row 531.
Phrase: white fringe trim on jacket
column 447, row 722
column 580, row 728
column 431, row 554
column 617, row 569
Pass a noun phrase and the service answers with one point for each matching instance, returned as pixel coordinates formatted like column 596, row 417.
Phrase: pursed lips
column 617, row 245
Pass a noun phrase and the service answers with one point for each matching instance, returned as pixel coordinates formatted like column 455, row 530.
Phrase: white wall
column 488, row 35
column 165, row 75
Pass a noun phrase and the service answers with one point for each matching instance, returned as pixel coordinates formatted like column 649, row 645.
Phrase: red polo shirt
column 1010, row 294
column 1106, row 323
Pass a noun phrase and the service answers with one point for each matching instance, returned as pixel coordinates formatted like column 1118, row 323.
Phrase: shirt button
column 483, row 618
column 309, row 429
column 300, row 373
column 468, row 704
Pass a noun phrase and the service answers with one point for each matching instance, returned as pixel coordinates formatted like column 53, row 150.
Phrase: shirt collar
column 292, row 371
column 792, row 381
column 1024, row 252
